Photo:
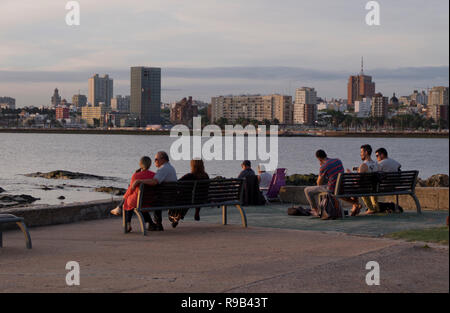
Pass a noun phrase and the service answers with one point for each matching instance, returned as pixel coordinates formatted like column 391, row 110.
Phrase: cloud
column 248, row 73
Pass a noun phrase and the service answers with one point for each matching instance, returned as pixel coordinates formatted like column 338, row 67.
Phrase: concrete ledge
column 43, row 215
column 431, row 198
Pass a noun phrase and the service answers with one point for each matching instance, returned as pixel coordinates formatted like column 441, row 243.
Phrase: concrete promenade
column 208, row 257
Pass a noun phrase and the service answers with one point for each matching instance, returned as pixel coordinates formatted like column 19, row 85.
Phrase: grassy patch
column 436, row 235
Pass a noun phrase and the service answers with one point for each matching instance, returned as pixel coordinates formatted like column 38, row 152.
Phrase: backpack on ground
column 331, row 206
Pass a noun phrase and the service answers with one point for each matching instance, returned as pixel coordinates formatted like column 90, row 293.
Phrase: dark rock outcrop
column 2, row 190
column 439, row 180
column 302, row 180
column 111, row 190
column 66, row 175
column 15, row 200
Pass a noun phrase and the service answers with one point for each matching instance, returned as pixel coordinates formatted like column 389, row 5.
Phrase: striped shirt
column 331, row 170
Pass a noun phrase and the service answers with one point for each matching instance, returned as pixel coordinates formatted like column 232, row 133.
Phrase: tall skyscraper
column 56, row 98
column 360, row 86
column 145, row 99
column 100, row 90
column 305, row 106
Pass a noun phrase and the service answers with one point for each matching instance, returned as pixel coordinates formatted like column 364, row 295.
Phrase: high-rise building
column 363, row 107
column 379, row 105
column 438, row 103
column 145, row 99
column 360, row 86
column 183, row 112
column 7, row 103
column 121, row 104
column 420, row 98
column 100, row 90
column 79, row 100
column 56, row 98
column 253, row 107
column 305, row 106
column 62, row 112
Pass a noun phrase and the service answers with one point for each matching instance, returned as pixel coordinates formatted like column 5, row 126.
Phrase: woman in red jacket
column 130, row 198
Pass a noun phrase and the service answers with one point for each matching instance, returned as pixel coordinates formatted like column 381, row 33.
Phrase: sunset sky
column 215, row 47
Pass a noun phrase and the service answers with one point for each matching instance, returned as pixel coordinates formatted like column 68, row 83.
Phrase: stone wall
column 43, row 215
column 433, row 198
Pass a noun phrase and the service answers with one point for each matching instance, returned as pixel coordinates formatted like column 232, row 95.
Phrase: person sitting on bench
column 129, row 201
column 166, row 173
column 330, row 170
column 197, row 173
column 368, row 166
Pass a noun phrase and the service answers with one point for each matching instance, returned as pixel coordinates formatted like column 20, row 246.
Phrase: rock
column 66, row 175
column 111, row 190
column 13, row 200
column 61, row 198
column 302, row 180
column 439, row 180
column 46, row 188
column 2, row 190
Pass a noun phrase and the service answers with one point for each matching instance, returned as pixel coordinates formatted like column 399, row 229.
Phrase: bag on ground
column 331, row 206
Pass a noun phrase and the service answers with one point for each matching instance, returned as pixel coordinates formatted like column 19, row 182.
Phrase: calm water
column 117, row 156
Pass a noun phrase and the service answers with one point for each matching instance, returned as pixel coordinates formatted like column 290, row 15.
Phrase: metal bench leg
column 224, row 215
column 124, row 223
column 1, row 239
column 141, row 221
column 243, row 216
column 419, row 209
column 24, row 229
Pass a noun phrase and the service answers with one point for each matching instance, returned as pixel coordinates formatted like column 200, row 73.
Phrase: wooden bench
column 357, row 185
column 191, row 194
column 9, row 218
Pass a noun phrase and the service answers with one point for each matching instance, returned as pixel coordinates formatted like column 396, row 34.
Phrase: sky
column 219, row 47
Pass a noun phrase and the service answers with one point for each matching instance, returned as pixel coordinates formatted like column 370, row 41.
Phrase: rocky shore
column 15, row 200
column 61, row 174
column 111, row 190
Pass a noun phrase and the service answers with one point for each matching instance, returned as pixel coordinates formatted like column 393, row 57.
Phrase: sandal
column 356, row 209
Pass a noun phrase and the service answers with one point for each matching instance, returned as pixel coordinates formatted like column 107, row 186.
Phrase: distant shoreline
column 317, row 133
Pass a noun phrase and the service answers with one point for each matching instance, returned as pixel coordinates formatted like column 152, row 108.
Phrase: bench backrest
column 191, row 193
column 356, row 184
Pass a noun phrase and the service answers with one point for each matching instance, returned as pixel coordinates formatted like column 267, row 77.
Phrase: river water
column 118, row 156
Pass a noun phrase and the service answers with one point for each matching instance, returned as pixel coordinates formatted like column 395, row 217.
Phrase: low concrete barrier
column 431, row 198
column 43, row 215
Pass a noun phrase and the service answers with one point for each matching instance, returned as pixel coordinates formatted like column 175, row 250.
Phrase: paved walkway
column 204, row 257
column 275, row 216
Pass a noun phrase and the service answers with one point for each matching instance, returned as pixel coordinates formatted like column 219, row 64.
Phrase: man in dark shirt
column 246, row 169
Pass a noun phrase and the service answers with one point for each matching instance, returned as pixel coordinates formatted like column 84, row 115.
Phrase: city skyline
column 253, row 46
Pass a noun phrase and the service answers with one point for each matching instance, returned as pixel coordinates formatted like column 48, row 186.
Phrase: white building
column 363, row 108
column 305, row 106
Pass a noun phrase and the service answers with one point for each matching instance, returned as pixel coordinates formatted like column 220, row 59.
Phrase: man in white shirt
column 386, row 164
column 264, row 178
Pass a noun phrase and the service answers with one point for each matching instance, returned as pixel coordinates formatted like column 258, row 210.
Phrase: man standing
column 166, row 173
column 329, row 170
column 386, row 164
